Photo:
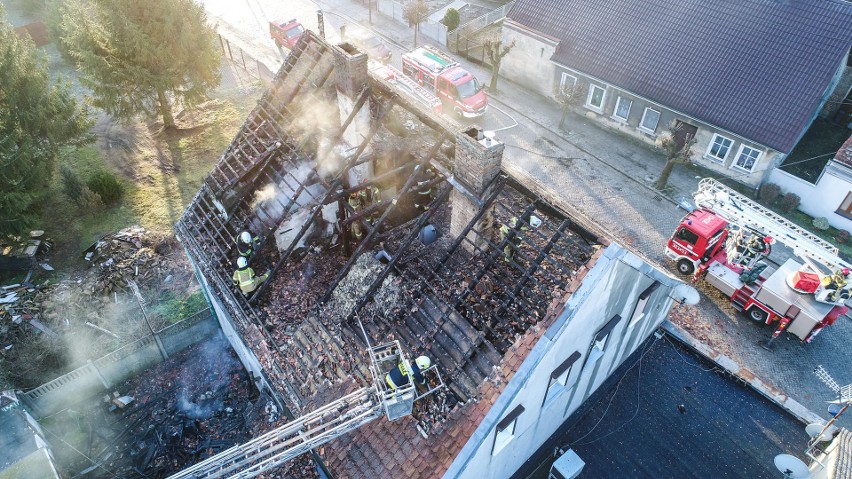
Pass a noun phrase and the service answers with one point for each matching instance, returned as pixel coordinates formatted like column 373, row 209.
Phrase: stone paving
column 603, row 180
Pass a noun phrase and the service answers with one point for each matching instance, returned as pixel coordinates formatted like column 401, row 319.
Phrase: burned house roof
column 446, row 286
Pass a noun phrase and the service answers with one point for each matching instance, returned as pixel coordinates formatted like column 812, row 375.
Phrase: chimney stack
column 350, row 72
column 477, row 163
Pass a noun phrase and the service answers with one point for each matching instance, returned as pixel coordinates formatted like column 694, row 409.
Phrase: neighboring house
column 831, row 196
column 836, row 461
column 746, row 78
column 24, row 453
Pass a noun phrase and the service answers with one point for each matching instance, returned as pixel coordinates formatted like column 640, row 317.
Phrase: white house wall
column 824, row 198
column 612, row 287
column 528, row 63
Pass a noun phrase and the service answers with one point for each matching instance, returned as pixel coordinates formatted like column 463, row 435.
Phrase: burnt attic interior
column 373, row 209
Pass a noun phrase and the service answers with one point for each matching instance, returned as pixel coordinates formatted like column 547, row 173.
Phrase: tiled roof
column 396, row 449
column 844, row 154
column 843, row 467
column 758, row 68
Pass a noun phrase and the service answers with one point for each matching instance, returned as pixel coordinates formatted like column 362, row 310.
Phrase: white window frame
column 642, row 127
column 639, row 309
column 559, row 378
column 589, row 96
column 618, row 104
column 712, row 157
column 563, row 82
column 740, row 152
column 504, row 432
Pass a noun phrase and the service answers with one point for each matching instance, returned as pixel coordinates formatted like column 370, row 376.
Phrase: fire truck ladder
column 746, row 212
column 402, row 81
column 321, row 426
column 290, row 440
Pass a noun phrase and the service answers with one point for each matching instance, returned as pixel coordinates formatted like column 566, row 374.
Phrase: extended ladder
column 743, row 211
column 409, row 86
column 290, row 440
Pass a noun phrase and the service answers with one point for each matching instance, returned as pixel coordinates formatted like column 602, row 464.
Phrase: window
column 639, row 310
column 845, row 208
column 622, row 109
column 686, row 235
column 718, row 148
column 649, row 120
column 747, row 157
column 559, row 377
column 505, row 430
column 595, row 100
column 567, row 81
column 601, row 339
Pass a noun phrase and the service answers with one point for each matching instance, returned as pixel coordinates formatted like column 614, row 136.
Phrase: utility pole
column 139, row 299
column 320, row 24
column 844, row 399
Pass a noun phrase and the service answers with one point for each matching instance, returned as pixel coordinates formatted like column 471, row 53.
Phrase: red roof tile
column 844, row 154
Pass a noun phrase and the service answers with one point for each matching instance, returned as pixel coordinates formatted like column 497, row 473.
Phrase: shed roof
column 758, row 68
column 844, row 154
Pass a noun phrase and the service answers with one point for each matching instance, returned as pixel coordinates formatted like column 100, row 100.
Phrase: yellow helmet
column 423, row 362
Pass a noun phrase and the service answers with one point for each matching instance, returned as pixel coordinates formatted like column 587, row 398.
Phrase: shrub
column 789, row 202
column 89, row 201
column 451, row 19
column 71, row 185
column 821, row 223
column 107, row 186
column 769, row 192
column 842, row 236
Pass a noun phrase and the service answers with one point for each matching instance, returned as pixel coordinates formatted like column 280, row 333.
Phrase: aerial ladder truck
column 322, row 425
column 724, row 240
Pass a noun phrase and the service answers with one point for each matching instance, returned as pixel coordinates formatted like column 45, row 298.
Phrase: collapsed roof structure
column 446, row 254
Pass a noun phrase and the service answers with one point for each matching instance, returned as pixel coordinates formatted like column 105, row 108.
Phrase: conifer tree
column 140, row 56
column 37, row 118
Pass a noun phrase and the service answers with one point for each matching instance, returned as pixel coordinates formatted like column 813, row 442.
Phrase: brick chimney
column 350, row 73
column 477, row 163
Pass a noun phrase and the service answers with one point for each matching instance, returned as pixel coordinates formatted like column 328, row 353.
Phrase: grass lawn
column 822, row 140
column 161, row 172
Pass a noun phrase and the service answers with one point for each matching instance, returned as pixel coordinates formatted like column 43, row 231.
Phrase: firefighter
column 399, row 375
column 837, row 282
column 424, row 192
column 356, row 201
column 247, row 243
column 244, row 277
column 756, row 248
column 515, row 243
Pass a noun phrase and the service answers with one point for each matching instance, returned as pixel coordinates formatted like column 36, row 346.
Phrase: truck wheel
column 458, row 113
column 685, row 267
column 757, row 314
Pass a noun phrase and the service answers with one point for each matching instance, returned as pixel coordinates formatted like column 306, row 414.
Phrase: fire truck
column 443, row 76
column 286, row 34
column 726, row 237
column 406, row 85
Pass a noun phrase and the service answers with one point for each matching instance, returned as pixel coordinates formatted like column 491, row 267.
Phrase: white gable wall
column 825, row 197
column 612, row 287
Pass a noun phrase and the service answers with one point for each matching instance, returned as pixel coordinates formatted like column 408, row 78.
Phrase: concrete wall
column 101, row 374
column 529, row 62
column 435, row 30
column 612, row 287
column 825, row 197
column 761, row 170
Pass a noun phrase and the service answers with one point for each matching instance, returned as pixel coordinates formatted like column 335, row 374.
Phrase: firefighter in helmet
column 837, row 281
column 400, row 375
column 356, row 201
column 247, row 243
column 244, row 277
column 515, row 240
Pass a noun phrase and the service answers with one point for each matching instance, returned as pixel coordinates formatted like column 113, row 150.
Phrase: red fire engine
column 724, row 240
column 442, row 75
column 286, row 34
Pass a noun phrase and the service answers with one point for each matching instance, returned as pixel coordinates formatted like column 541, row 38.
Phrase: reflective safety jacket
column 513, row 223
column 246, row 249
column 244, row 277
column 399, row 377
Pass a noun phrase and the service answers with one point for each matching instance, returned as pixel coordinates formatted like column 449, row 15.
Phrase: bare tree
column 569, row 95
column 677, row 152
column 415, row 12
column 496, row 50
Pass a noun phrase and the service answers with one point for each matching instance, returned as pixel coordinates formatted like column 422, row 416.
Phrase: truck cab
column 286, row 33
column 700, row 235
column 463, row 91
